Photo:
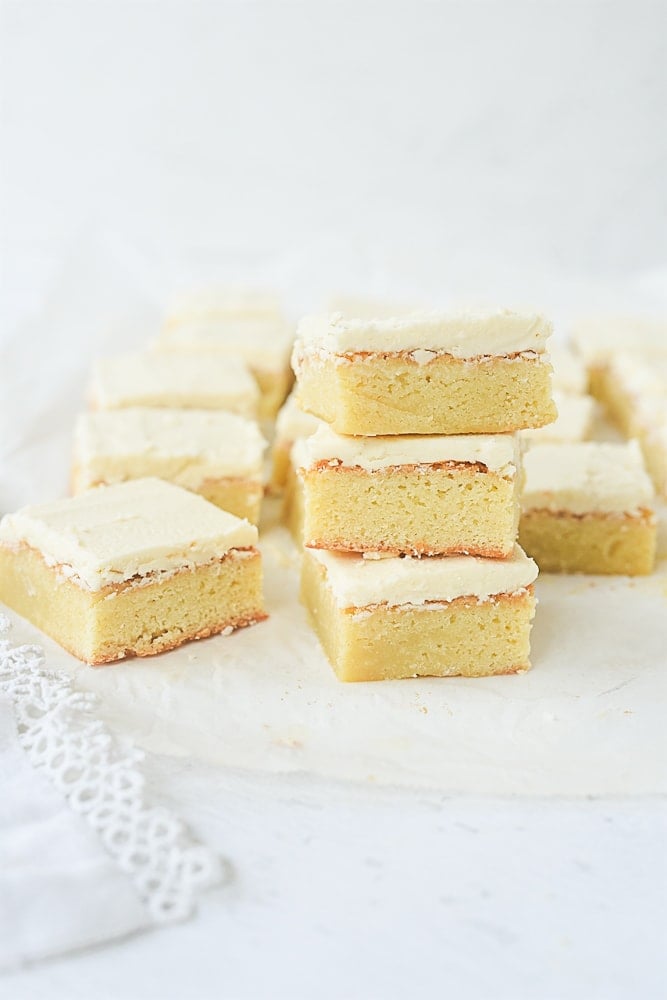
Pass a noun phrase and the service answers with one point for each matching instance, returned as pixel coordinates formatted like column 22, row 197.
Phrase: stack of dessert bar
column 410, row 489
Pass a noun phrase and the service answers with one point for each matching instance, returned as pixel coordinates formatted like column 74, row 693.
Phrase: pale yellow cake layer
column 461, row 638
column 280, row 465
column 610, row 544
column 422, row 510
column 240, row 497
column 376, row 394
column 292, row 507
column 140, row 617
column 273, row 390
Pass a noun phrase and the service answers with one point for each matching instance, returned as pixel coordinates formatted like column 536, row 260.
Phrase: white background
column 471, row 147
column 506, row 150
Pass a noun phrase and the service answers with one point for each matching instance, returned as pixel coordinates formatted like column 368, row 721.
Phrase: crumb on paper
column 289, row 742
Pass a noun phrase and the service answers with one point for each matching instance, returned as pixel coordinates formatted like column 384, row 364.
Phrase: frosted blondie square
column 588, row 508
column 392, row 618
column 130, row 570
column 211, row 452
column 199, row 381
column 427, row 373
column 264, row 345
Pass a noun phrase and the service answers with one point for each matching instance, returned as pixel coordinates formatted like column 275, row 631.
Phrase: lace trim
column 101, row 781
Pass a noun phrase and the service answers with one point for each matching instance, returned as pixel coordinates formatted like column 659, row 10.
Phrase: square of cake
column 263, row 344
column 381, row 619
column 420, row 495
column 427, row 373
column 573, row 423
column 130, row 570
column 588, row 508
column 211, row 452
column 197, row 381
column 292, row 424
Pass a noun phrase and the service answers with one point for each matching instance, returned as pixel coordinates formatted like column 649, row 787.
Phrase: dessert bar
column 130, row 570
column 380, row 619
column 211, row 452
column 427, row 373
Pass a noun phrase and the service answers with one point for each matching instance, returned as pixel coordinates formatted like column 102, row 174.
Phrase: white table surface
column 511, row 151
column 337, row 892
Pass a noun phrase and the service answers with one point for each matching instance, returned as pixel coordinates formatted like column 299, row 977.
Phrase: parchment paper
column 587, row 720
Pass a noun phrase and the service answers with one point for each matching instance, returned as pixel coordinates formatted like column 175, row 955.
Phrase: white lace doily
column 101, row 780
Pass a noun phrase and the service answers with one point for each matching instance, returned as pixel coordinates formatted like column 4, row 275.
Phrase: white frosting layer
column 207, row 381
column 185, row 446
column 224, row 303
column 498, row 452
column 264, row 345
column 293, row 423
column 115, row 533
column 595, row 339
column 573, row 423
column 569, row 372
column 357, row 582
column 463, row 335
column 586, row 477
column 639, row 376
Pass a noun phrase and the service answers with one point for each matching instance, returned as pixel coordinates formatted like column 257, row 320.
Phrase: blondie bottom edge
column 610, row 544
column 461, row 638
column 376, row 395
column 137, row 618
